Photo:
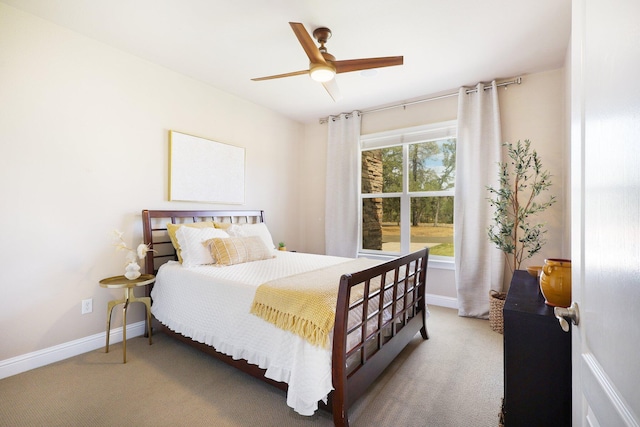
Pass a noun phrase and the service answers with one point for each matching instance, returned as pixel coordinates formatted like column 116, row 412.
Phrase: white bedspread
column 211, row 305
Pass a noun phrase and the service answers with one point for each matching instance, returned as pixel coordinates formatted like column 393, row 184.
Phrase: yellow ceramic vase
column 555, row 282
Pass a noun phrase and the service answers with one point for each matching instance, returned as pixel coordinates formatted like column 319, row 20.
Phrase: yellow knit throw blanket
column 305, row 303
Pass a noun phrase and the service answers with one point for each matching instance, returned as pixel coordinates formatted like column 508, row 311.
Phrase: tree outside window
column 407, row 197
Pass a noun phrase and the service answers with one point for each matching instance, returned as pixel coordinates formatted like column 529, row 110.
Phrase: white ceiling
column 445, row 43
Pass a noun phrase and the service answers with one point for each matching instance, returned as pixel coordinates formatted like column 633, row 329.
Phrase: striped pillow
column 237, row 250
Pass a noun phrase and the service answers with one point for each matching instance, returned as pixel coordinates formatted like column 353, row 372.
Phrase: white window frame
column 404, row 137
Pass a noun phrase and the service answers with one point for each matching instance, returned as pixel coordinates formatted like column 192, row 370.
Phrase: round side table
column 121, row 282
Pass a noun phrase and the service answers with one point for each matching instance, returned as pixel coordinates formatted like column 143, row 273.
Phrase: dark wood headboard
column 154, row 227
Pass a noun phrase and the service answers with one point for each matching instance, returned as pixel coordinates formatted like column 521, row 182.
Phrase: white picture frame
column 202, row 170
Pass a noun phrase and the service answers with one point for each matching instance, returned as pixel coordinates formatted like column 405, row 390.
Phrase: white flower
column 132, row 255
column 142, row 250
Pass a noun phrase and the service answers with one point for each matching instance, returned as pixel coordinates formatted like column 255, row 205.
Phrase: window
column 406, row 190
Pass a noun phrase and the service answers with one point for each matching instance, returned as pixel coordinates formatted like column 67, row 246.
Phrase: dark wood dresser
column 537, row 359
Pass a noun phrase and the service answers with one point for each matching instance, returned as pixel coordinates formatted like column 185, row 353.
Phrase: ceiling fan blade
column 279, row 76
column 367, row 63
column 309, row 46
column 332, row 88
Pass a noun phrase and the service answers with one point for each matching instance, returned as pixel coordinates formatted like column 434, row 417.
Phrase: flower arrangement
column 132, row 269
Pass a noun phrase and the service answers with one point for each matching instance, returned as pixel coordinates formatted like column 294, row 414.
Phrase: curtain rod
column 517, row 80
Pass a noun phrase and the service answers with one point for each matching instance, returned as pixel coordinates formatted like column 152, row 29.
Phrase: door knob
column 563, row 315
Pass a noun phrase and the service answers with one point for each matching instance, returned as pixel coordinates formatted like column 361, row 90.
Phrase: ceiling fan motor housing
column 322, row 34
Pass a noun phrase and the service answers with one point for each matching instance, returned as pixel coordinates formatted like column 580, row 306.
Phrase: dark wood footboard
column 388, row 304
column 379, row 310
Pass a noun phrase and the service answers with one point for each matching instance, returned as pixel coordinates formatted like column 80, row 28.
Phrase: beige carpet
column 453, row 379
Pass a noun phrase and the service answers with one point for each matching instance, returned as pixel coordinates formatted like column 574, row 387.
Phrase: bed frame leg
column 338, row 402
column 423, row 329
column 424, row 333
column 340, row 416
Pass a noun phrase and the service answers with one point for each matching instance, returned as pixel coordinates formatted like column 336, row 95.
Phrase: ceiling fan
column 323, row 66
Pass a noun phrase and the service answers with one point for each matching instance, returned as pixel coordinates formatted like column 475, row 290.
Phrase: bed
column 379, row 308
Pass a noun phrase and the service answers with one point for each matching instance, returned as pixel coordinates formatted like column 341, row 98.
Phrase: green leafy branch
column 514, row 202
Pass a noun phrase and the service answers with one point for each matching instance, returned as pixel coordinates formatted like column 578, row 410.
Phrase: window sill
column 441, row 263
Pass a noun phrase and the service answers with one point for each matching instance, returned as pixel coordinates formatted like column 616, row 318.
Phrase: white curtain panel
column 479, row 264
column 341, row 207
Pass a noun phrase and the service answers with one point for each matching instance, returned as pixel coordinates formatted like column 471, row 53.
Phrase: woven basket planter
column 496, row 304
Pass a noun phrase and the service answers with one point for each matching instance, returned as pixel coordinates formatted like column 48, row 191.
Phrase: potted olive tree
column 516, row 202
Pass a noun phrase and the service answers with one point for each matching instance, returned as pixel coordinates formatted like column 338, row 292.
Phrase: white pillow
column 191, row 241
column 246, row 230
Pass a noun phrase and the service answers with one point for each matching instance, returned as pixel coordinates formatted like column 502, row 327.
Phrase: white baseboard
column 441, row 301
column 36, row 359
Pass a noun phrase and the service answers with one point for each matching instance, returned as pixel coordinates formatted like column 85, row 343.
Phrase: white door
column 605, row 171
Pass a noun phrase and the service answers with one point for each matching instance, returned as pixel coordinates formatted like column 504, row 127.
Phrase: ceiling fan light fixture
column 322, row 72
column 323, row 66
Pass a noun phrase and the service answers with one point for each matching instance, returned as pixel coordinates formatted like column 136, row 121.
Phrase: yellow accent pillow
column 173, row 228
column 237, row 250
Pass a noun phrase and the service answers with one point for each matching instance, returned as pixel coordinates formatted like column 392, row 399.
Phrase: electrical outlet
column 87, row 306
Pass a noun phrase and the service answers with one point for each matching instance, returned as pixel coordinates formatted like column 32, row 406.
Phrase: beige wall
column 534, row 110
column 83, row 132
column 84, row 138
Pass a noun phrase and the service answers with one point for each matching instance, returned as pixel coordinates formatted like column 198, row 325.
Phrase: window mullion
column 440, row 193
column 405, row 204
column 380, row 195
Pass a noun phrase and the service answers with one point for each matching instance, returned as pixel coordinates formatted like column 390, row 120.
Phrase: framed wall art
column 202, row 170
